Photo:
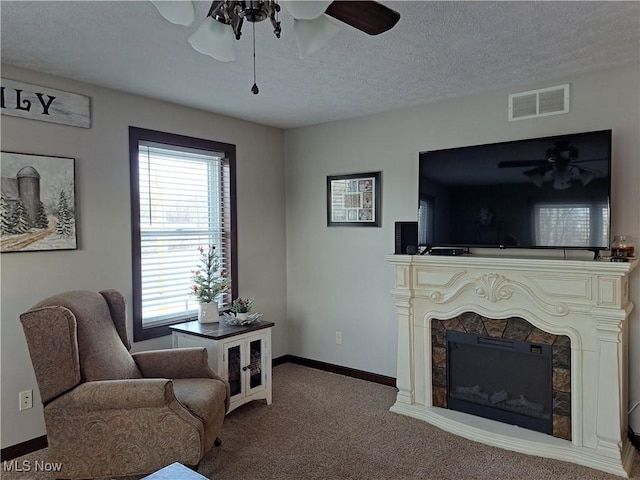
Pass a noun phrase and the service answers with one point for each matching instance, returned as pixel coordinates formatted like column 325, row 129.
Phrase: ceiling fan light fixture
column 312, row 26
column 214, row 39
column 178, row 12
column 536, row 175
column 306, row 10
column 585, row 176
column 312, row 35
column 561, row 179
column 253, row 12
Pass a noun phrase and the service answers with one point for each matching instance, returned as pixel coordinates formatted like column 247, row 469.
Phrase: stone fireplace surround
column 587, row 301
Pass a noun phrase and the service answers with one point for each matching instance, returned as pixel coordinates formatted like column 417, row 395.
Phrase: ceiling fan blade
column 522, row 163
column 180, row 12
column 312, row 35
column 368, row 16
column 586, row 161
column 587, row 169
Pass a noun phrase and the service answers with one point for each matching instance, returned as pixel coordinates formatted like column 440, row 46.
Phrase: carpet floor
column 328, row 427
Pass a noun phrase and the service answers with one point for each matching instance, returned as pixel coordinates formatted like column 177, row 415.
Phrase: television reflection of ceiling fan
column 312, row 26
column 561, row 161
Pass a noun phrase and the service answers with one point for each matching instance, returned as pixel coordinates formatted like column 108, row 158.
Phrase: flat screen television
column 551, row 192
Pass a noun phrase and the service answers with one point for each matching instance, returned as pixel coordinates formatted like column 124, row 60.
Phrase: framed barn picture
column 37, row 206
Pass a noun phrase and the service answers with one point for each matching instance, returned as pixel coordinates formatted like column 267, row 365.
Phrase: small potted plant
column 209, row 281
column 241, row 307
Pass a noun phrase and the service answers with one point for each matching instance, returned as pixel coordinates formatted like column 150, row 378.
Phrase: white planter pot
column 242, row 316
column 208, row 313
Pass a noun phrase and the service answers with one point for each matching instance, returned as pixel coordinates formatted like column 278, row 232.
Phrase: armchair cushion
column 179, row 363
column 103, row 356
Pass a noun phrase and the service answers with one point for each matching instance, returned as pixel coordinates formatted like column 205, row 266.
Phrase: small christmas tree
column 208, row 282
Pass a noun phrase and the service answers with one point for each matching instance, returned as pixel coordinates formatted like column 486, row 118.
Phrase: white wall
column 103, row 258
column 337, row 278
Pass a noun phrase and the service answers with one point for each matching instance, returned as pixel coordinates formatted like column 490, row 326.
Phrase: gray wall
column 103, row 258
column 338, row 279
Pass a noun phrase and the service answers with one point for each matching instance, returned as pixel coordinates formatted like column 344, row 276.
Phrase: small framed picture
column 354, row 200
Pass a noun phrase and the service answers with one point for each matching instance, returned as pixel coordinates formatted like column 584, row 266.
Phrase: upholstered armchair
column 111, row 413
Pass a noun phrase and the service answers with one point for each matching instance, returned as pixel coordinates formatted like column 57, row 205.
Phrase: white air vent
column 539, row 103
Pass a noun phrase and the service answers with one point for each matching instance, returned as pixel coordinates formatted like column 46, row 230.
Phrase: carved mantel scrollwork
column 494, row 288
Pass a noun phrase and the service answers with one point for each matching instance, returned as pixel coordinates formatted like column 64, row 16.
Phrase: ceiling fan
column 312, row 26
column 561, row 161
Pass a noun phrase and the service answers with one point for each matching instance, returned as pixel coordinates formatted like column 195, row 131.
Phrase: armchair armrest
column 132, row 425
column 119, row 394
column 175, row 363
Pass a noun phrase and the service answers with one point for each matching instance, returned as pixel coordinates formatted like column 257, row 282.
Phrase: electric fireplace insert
column 507, row 380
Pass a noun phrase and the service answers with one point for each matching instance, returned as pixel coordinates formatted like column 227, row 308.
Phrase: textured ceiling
column 437, row 50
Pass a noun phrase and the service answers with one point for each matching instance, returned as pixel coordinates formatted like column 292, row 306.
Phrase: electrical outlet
column 26, row 399
column 338, row 338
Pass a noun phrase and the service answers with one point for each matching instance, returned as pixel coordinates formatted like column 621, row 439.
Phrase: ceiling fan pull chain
column 254, row 89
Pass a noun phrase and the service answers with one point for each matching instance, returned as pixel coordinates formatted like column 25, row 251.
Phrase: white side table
column 239, row 354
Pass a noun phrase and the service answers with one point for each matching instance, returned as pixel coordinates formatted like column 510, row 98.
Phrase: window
column 572, row 225
column 182, row 198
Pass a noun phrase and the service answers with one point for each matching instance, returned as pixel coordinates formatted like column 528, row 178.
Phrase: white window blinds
column 184, row 204
column 426, row 220
column 576, row 225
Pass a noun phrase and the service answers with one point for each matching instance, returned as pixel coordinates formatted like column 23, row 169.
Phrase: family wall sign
column 19, row 99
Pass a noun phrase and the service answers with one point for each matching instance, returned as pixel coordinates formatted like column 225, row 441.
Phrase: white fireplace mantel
column 588, row 301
